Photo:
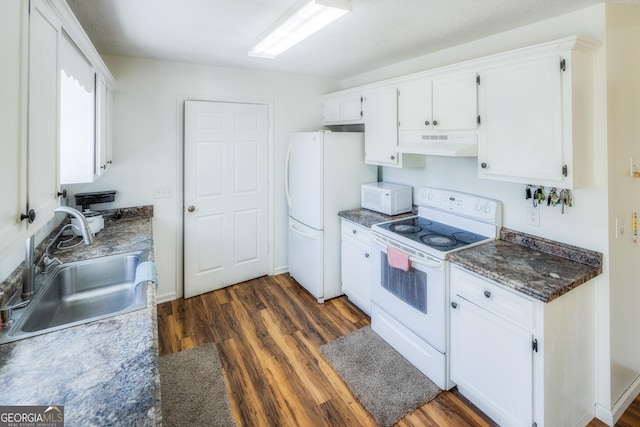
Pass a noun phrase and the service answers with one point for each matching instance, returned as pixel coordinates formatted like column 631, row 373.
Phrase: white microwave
column 386, row 198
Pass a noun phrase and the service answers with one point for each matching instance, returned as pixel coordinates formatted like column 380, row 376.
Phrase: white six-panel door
column 225, row 194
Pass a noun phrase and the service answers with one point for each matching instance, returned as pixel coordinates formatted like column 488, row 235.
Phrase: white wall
column 148, row 136
column 623, row 130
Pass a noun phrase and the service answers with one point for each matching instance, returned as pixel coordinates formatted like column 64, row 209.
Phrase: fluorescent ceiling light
column 308, row 19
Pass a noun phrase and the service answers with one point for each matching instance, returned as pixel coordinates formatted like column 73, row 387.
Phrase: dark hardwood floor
column 268, row 331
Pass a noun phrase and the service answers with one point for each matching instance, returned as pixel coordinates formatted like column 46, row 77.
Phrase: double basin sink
column 80, row 292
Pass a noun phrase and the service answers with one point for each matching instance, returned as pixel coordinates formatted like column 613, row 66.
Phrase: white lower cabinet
column 356, row 264
column 521, row 361
column 493, row 360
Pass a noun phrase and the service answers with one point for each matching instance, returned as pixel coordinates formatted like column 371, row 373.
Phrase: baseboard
column 169, row 296
column 611, row 416
column 280, row 270
column 604, row 414
column 585, row 419
column 626, row 399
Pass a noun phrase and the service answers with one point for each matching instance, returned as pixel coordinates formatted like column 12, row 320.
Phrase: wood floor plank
column 268, row 332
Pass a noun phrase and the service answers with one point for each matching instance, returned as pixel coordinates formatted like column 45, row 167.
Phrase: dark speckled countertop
column 367, row 218
column 103, row 372
column 537, row 267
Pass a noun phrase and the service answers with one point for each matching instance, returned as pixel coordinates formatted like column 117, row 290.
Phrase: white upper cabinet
column 85, row 98
column 43, row 117
column 342, row 109
column 537, row 117
column 104, row 99
column 77, row 114
column 381, row 130
column 441, row 104
column 455, row 102
column 30, row 110
column 13, row 16
column 527, row 114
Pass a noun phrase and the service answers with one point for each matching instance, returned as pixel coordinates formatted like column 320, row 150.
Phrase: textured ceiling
column 377, row 32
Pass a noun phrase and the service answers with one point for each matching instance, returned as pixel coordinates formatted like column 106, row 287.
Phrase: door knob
column 191, row 208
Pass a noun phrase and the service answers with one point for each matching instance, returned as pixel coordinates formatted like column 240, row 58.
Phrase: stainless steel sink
column 80, row 292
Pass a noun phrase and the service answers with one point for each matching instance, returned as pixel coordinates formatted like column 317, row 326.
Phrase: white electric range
column 409, row 307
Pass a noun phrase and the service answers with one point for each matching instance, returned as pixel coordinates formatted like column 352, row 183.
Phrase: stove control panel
column 468, row 205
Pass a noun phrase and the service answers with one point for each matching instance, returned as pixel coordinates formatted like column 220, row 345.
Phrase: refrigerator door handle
column 287, row 190
column 302, row 233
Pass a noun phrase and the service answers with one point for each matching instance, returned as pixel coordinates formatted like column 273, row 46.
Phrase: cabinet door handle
column 393, row 157
column 426, row 122
column 487, row 294
column 30, row 216
column 191, row 208
column 483, row 165
column 435, row 123
column 366, row 255
column 454, row 304
column 63, row 193
column 354, row 231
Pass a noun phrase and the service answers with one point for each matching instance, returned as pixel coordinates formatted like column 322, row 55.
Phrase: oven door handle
column 425, row 263
column 419, row 261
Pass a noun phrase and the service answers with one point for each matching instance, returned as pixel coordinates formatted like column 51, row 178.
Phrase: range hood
column 439, row 145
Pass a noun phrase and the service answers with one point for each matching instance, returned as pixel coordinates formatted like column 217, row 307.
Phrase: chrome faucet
column 84, row 225
column 29, row 272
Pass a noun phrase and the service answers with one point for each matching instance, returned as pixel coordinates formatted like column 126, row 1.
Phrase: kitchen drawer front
column 492, row 297
column 351, row 230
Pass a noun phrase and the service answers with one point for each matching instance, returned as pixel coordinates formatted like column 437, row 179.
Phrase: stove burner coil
column 438, row 240
column 405, row 228
column 466, row 236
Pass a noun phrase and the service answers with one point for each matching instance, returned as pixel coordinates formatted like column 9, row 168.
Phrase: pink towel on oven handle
column 398, row 259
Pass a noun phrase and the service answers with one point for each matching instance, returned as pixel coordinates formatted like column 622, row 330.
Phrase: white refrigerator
column 324, row 171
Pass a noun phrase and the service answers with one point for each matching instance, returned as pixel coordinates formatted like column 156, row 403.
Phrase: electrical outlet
column 619, row 228
column 533, row 217
column 162, row 192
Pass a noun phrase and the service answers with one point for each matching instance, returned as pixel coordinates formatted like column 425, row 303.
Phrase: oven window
column 410, row 286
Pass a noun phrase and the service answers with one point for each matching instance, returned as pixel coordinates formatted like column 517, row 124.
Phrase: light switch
column 619, row 228
column 162, row 192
